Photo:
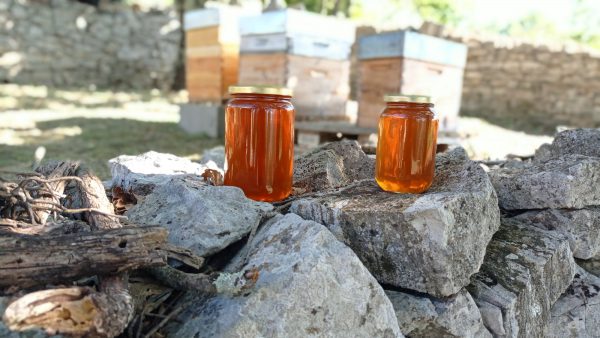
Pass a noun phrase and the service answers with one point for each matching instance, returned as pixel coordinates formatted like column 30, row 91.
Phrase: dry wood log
column 196, row 282
column 79, row 311
column 76, row 311
column 27, row 260
column 90, row 194
column 53, row 170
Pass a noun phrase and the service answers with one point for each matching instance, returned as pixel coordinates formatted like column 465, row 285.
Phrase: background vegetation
column 580, row 21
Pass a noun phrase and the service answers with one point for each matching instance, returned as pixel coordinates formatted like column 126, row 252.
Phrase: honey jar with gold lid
column 259, row 141
column 405, row 160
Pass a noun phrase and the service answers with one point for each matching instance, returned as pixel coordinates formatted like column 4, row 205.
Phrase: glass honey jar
column 405, row 161
column 259, row 141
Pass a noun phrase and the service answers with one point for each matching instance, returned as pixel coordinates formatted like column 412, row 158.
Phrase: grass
column 95, row 141
column 90, row 125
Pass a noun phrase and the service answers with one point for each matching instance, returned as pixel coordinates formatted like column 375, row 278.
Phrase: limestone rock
column 582, row 141
column 142, row 173
column 215, row 155
column 581, row 226
column 591, row 265
column 309, row 285
column 203, row 218
column 331, row 166
column 431, row 242
column 421, row 316
column 543, row 153
column 570, row 181
column 576, row 314
column 525, row 271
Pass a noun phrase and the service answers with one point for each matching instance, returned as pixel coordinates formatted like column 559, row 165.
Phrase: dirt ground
column 94, row 126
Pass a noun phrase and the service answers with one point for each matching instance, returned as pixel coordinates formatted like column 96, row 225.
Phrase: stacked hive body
column 212, row 52
column 410, row 63
column 306, row 52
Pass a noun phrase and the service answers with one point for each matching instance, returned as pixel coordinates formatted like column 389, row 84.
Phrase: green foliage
column 585, row 24
column 329, row 7
column 534, row 25
column 439, row 11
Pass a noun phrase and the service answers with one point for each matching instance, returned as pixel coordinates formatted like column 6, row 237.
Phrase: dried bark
column 75, row 311
column 196, row 282
column 89, row 193
column 27, row 260
column 51, row 171
column 79, row 311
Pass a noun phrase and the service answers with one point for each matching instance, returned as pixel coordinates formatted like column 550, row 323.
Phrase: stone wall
column 526, row 84
column 68, row 44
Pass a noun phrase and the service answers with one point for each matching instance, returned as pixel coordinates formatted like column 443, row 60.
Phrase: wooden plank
column 29, row 260
column 203, row 51
column 208, row 36
column 210, row 70
column 321, row 86
column 334, row 127
column 265, row 69
column 377, row 77
column 442, row 83
column 229, row 69
column 226, row 18
column 203, row 78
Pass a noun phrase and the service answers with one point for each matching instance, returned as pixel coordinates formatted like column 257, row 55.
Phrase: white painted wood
column 296, row 45
column 296, row 22
column 226, row 17
column 412, row 45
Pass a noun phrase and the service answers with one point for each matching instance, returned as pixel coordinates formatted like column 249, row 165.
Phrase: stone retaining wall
column 68, row 44
column 525, row 84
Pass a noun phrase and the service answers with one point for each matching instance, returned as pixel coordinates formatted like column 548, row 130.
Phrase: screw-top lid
column 406, row 98
column 255, row 89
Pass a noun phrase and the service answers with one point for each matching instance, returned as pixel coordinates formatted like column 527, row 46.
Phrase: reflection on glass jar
column 407, row 144
column 259, row 142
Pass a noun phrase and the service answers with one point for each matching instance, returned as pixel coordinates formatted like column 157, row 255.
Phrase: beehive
column 410, row 63
column 212, row 52
column 291, row 48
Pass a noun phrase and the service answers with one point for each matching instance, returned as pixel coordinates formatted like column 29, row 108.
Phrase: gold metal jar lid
column 406, row 98
column 268, row 90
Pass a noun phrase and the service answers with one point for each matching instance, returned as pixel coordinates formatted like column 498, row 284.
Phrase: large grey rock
column 583, row 141
column 591, row 265
column 309, row 285
column 570, row 181
column 421, row 316
column 525, row 271
column 581, row 226
column 332, row 165
column 576, row 314
column 431, row 242
column 142, row 173
column 199, row 217
column 215, row 155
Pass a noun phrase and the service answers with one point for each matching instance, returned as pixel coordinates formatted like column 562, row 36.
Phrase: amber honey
column 259, row 142
column 407, row 142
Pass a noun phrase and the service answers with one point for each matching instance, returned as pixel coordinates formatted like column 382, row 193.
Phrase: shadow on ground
column 95, row 141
